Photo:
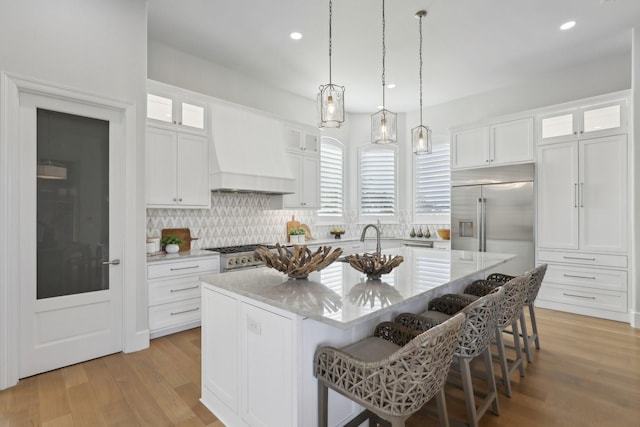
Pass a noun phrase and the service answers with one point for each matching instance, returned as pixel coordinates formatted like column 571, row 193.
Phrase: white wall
column 635, row 138
column 168, row 65
column 97, row 46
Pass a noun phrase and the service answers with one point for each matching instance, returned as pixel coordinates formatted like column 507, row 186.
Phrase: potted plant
column 172, row 244
column 297, row 235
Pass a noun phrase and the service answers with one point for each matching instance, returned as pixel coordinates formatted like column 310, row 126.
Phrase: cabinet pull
column 185, row 268
column 184, row 289
column 185, row 311
column 577, row 296
column 580, row 258
column 582, row 194
column 575, row 195
column 579, row 277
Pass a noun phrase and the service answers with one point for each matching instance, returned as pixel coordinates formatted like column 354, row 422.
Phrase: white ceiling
column 470, row 46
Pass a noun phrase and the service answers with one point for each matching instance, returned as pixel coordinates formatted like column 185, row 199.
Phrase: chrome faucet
column 364, row 232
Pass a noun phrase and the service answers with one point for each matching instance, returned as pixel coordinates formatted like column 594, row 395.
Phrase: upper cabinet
column 303, row 155
column 600, row 119
column 298, row 139
column 176, row 109
column 492, row 145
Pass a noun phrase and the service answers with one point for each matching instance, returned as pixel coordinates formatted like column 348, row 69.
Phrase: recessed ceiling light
column 568, row 25
column 391, row 85
column 295, row 35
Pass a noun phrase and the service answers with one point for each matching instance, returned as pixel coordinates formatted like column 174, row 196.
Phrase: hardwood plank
column 587, row 373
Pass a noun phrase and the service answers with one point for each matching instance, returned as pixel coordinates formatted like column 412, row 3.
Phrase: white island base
column 260, row 330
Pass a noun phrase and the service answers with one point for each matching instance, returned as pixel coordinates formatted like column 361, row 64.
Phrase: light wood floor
column 586, row 374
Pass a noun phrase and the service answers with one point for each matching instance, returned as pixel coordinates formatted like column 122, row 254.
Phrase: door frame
column 11, row 86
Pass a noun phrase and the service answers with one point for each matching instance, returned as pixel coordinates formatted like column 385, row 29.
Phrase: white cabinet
column 174, row 293
column 248, row 381
column 303, row 155
column 306, row 172
column 177, row 169
column 302, row 139
column 175, row 108
column 370, row 244
column 582, row 195
column 594, row 120
column 496, row 144
column 582, row 229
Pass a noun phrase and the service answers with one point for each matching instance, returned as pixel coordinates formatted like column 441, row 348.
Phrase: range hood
column 248, row 152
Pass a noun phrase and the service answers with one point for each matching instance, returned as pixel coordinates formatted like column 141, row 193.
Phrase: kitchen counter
column 194, row 253
column 341, row 296
column 260, row 329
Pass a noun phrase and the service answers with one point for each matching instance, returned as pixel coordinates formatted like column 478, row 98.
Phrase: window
column 331, row 177
column 433, row 182
column 377, row 183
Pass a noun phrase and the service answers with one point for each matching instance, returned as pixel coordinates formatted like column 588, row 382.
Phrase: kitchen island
column 260, row 329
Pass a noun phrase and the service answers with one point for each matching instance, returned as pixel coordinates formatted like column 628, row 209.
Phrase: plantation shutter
column 331, row 179
column 378, row 182
column 433, row 181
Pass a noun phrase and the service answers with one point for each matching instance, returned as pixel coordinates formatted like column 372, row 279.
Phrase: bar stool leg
column 467, row 388
column 442, row 408
column 323, row 396
column 525, row 337
column 491, row 380
column 516, row 344
column 502, row 357
column 534, row 325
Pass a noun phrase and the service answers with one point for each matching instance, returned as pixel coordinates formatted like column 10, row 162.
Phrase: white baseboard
column 140, row 341
column 634, row 318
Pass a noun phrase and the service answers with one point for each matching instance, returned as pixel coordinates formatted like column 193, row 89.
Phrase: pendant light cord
column 384, row 51
column 330, row 43
column 420, row 19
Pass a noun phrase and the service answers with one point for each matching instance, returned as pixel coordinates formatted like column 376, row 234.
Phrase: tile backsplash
column 240, row 218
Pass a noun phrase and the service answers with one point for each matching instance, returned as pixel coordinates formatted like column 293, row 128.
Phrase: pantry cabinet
column 496, row 144
column 177, row 169
column 583, row 225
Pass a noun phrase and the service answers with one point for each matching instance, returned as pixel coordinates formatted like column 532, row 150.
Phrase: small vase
column 172, row 248
column 413, row 233
column 420, row 232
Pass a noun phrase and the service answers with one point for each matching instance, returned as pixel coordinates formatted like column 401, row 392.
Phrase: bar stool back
column 389, row 380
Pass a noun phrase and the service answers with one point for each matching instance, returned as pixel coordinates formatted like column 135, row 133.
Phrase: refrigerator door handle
column 482, row 218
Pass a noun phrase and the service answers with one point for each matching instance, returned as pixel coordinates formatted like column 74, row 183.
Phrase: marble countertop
column 194, row 253
column 341, row 296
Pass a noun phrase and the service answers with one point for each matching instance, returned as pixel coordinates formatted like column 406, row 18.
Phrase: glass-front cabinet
column 182, row 112
column 602, row 119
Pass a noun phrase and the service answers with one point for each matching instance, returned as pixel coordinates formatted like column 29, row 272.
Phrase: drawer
column 166, row 291
column 596, row 278
column 173, row 314
column 183, row 267
column 582, row 258
column 590, row 298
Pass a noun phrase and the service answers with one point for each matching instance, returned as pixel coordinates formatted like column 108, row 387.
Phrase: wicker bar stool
column 532, row 293
column 515, row 291
column 482, row 317
column 392, row 374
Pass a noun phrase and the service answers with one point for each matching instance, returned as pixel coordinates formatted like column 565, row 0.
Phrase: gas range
column 238, row 257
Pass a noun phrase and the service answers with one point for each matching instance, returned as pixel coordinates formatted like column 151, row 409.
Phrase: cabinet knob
column 175, row 199
column 487, row 161
column 180, row 123
column 180, row 199
column 575, row 133
column 581, row 131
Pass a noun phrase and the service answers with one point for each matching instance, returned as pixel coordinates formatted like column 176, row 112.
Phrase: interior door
column 71, row 221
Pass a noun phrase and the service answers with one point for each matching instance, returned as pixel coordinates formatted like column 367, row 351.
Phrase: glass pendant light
column 421, row 135
column 384, row 122
column 331, row 96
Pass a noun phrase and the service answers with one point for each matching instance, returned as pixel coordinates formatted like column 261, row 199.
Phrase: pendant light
column 46, row 169
column 331, row 96
column 421, row 135
column 384, row 122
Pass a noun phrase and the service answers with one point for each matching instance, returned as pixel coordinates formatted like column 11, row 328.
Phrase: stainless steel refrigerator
column 492, row 210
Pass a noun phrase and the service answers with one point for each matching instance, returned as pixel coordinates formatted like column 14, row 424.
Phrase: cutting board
column 307, row 230
column 181, row 233
column 292, row 224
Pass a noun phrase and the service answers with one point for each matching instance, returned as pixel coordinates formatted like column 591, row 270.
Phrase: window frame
column 431, row 218
column 385, row 219
column 333, row 219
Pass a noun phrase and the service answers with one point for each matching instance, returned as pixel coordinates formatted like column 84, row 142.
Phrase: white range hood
column 248, row 152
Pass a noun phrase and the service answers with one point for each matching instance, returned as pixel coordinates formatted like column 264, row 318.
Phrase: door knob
column 114, row 262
